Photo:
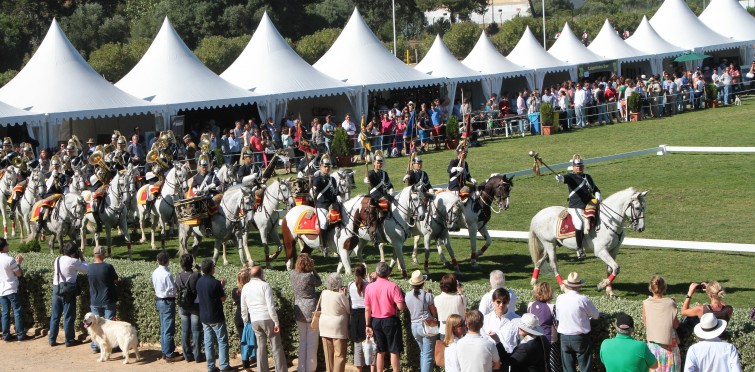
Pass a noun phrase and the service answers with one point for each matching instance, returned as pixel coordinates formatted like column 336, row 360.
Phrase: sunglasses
column 499, row 302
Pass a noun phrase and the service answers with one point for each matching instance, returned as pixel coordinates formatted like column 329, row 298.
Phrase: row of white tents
column 58, row 86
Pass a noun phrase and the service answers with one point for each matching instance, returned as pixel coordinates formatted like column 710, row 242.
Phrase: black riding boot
column 96, row 215
column 580, row 239
column 13, row 203
column 42, row 221
column 208, row 226
column 148, row 205
column 324, row 239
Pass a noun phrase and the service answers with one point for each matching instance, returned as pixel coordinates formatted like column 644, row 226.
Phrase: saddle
column 18, row 190
column 49, row 202
column 306, row 223
column 565, row 225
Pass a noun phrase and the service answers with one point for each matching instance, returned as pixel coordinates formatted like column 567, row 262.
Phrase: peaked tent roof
column 529, row 53
column 170, row 74
column 268, row 65
column 683, row 19
column 358, row 58
column 441, row 63
column 730, row 19
column 609, row 45
column 57, row 81
column 486, row 59
column 570, row 50
column 10, row 115
column 647, row 40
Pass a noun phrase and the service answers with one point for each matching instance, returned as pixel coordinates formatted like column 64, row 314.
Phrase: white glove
column 560, row 178
column 406, row 178
column 457, row 169
column 390, row 191
column 367, row 180
column 255, row 176
column 474, row 181
column 300, row 175
column 599, row 197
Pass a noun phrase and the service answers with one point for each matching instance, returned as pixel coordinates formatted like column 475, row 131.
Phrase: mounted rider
column 161, row 157
column 459, row 176
column 73, row 157
column 249, row 168
column 25, row 163
column 206, row 183
column 380, row 186
column 583, row 193
column 325, row 192
column 99, row 183
column 418, row 178
column 9, row 154
column 56, row 185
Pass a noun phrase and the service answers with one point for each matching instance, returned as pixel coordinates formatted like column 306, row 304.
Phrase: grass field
column 703, row 197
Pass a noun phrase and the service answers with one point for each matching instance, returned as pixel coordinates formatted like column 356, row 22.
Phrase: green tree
column 7, row 76
column 83, row 26
column 461, row 38
column 218, row 52
column 114, row 60
column 312, row 47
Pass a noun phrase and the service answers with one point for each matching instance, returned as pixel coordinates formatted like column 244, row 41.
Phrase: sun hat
column 574, row 281
column 624, row 322
column 709, row 327
column 530, row 324
column 417, row 278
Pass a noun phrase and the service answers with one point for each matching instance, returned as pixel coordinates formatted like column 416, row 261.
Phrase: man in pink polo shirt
column 381, row 298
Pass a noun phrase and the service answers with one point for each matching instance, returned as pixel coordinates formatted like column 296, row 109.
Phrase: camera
column 700, row 287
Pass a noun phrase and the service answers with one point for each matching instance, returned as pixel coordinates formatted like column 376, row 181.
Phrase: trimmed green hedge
column 136, row 304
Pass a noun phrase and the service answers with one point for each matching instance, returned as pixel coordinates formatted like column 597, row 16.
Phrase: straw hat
column 530, row 324
column 417, row 278
column 709, row 327
column 574, row 281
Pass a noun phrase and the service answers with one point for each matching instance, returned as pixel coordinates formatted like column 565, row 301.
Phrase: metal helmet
column 7, row 141
column 204, row 160
column 325, row 160
column 122, row 140
column 417, row 160
column 576, row 161
column 379, row 156
column 55, row 161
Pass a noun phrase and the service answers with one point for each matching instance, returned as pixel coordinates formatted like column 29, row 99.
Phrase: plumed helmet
column 325, row 160
column 90, row 141
column 55, row 160
column 576, row 160
column 417, row 160
column 247, row 152
column 71, row 147
column 379, row 156
column 122, row 140
column 115, row 135
column 204, row 160
column 7, row 141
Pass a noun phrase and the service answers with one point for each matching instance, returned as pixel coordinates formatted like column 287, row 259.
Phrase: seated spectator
column 711, row 353
column 623, row 353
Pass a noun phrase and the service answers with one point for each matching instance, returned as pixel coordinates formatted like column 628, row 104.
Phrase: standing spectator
column 351, row 130
column 10, row 271
column 165, row 292
column 255, row 142
column 65, row 269
column 531, row 355
column 243, row 329
column 381, row 299
column 715, row 294
column 188, row 310
column 580, row 98
column 541, row 308
column 334, row 323
column 102, row 293
column 521, row 104
column 238, row 129
column 273, row 129
column 711, row 353
column 497, row 280
column 455, row 330
column 424, row 128
column 422, row 310
column 211, row 295
column 736, row 76
column 438, row 119
column 573, row 311
column 497, row 326
column 398, row 136
column 258, row 307
column 451, row 300
column 387, row 131
column 231, row 146
column 601, row 102
column 304, row 279
column 475, row 352
column 623, row 353
column 726, row 81
column 136, row 150
column 356, row 324
column 659, row 315
column 328, row 129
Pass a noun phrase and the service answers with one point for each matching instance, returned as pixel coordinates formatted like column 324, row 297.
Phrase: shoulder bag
column 315, row 324
column 440, row 353
column 429, row 326
column 65, row 289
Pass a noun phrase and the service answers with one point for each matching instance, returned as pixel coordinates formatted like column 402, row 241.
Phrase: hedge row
column 136, row 304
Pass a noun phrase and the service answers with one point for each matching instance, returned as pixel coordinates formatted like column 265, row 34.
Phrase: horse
column 443, row 215
column 35, row 187
column 605, row 242
column 266, row 218
column 163, row 208
column 337, row 238
column 8, row 180
column 115, row 208
column 77, row 183
column 65, row 218
column 406, row 209
column 477, row 211
column 228, row 175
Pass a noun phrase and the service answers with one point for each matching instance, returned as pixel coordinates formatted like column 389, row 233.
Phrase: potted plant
column 711, row 95
column 546, row 118
column 340, row 148
column 452, row 132
column 633, row 105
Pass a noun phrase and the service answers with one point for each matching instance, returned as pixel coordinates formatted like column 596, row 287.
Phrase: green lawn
column 705, row 197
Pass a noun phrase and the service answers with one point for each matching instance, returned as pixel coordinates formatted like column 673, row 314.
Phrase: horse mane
column 625, row 194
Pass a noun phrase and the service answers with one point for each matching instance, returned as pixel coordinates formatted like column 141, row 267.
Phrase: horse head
column 8, row 180
column 635, row 211
column 417, row 202
column 285, row 192
column 346, row 183
column 499, row 186
column 77, row 183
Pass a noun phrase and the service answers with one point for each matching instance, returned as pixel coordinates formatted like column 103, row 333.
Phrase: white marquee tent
column 169, row 74
column 494, row 67
column 645, row 39
column 729, row 18
column 358, row 58
column 570, row 50
column 676, row 23
column 10, row 115
column 58, row 82
column 529, row 53
column 609, row 45
column 269, row 66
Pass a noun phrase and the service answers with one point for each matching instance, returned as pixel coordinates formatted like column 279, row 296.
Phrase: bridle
column 634, row 216
column 502, row 195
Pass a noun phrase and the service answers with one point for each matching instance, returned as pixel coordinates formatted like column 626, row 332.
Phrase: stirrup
column 581, row 254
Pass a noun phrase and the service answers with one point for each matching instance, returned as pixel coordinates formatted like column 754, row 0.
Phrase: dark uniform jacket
column 326, row 190
column 246, row 170
column 419, row 178
column 527, row 357
column 458, row 179
column 380, row 183
column 59, row 186
column 212, row 179
column 8, row 159
column 585, row 189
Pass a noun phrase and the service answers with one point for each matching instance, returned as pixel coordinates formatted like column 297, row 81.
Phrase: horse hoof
column 533, row 281
column 225, row 262
column 414, row 260
column 142, row 241
column 475, row 265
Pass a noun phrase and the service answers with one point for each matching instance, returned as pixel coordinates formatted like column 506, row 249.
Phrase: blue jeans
column 67, row 309
column 602, row 115
column 7, row 303
column 576, row 349
column 107, row 311
column 167, row 311
column 217, row 331
column 727, row 93
column 426, row 347
column 191, row 333
column 580, row 113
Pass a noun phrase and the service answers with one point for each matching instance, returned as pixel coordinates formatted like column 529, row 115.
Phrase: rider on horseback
column 248, row 168
column 381, row 186
column 417, row 177
column 325, row 189
column 458, row 171
column 582, row 191
column 207, row 183
column 99, row 184
column 28, row 162
column 56, row 184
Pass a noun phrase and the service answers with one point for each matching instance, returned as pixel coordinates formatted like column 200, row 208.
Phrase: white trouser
column 577, row 217
column 309, row 340
column 322, row 218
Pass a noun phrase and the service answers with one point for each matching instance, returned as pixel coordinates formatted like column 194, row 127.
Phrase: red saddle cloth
column 565, row 227
column 306, row 223
column 47, row 202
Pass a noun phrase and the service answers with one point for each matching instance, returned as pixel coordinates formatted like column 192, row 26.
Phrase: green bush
column 633, row 103
column 452, row 127
column 546, row 114
column 312, row 47
column 136, row 304
column 32, row 246
column 341, row 145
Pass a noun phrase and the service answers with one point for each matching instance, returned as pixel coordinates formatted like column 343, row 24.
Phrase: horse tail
column 288, row 240
column 536, row 249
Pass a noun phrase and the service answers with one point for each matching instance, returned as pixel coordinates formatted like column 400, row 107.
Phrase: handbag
column 315, row 324
column 554, row 328
column 440, row 353
column 65, row 289
column 430, row 326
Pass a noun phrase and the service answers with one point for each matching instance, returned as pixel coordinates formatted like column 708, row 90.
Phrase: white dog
column 108, row 334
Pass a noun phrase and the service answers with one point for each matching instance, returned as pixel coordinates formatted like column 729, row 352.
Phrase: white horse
column 77, row 183
column 228, row 175
column 35, row 187
column 605, row 242
column 65, row 219
column 163, row 208
column 338, row 238
column 266, row 218
column 7, row 182
column 406, row 209
column 114, row 210
column 444, row 214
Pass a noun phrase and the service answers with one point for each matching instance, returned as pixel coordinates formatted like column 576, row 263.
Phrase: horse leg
column 613, row 270
column 382, row 253
column 5, row 223
column 447, row 240
column 414, row 251
column 550, row 252
column 270, row 233
column 289, row 242
column 427, row 252
column 473, row 245
column 126, row 235
column 488, row 240
column 140, row 215
column 344, row 254
column 398, row 253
